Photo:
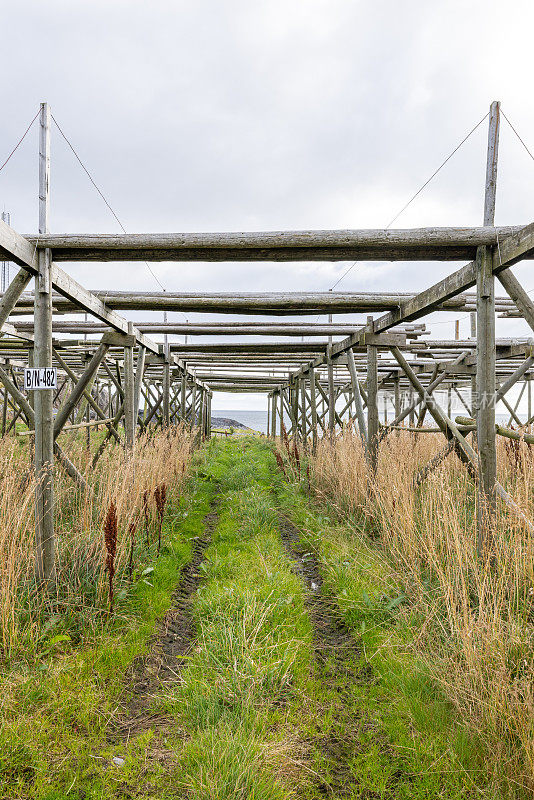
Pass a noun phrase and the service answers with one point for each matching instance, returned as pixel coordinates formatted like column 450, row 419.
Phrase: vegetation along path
column 259, row 657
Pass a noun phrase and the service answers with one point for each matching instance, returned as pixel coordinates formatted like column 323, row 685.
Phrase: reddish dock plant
column 110, row 539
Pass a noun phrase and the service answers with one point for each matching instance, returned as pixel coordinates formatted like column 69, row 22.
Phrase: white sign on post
column 40, row 378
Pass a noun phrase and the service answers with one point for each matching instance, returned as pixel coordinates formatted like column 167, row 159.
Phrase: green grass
column 58, row 707
column 414, row 744
column 251, row 713
column 253, row 646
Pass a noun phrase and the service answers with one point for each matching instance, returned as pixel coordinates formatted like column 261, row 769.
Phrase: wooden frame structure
column 317, row 384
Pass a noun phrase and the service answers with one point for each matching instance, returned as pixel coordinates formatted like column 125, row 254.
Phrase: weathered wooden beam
column 275, row 303
column 222, row 328
column 427, row 244
column 16, row 248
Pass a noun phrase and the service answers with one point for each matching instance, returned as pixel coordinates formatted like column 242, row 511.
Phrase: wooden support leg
column 183, row 397
column 360, row 416
column 486, row 354
column 313, row 404
column 411, row 404
column 372, row 407
column 396, row 388
column 138, row 380
column 44, row 430
column 4, row 413
column 129, row 410
column 194, row 404
column 331, row 399
column 303, row 418
column 201, row 413
column 166, row 393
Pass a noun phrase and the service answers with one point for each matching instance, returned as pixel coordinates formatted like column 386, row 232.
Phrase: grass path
column 254, row 665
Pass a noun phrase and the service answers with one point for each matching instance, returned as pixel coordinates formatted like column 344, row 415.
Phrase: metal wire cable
column 19, row 142
column 79, row 160
column 418, row 192
column 516, row 133
column 529, row 291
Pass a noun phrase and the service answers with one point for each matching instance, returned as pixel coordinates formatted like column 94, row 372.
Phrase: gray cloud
column 265, row 115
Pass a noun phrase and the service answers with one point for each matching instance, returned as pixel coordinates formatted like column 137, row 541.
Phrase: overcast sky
column 264, row 115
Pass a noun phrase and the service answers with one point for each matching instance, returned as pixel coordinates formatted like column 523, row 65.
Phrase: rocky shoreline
column 225, row 422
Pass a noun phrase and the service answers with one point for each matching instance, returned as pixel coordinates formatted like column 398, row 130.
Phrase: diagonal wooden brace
column 462, row 447
column 92, row 402
column 63, row 413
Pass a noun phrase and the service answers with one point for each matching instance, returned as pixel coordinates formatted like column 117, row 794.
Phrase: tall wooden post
column 4, row 412
column 358, row 405
column 138, row 380
column 372, row 402
column 166, row 393
column 396, row 389
column 303, row 418
column 129, row 411
column 273, row 415
column 208, row 418
column 201, row 411
column 294, row 405
column 486, row 355
column 313, row 401
column 44, row 423
column 411, row 418
column 183, row 397
column 194, row 403
column 331, row 397
column 269, row 401
column 473, row 335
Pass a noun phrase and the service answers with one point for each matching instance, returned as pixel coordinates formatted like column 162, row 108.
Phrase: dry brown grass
column 476, row 619
column 81, row 558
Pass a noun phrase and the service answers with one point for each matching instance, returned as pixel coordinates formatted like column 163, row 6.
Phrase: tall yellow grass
column 79, row 517
column 476, row 619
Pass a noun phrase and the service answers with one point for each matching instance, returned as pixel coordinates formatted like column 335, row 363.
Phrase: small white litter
column 118, row 761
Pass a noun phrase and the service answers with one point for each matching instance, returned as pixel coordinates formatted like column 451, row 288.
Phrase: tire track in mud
column 173, row 640
column 180, row 627
column 338, row 665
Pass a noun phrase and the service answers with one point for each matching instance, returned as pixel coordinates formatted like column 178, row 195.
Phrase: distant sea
column 257, row 420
